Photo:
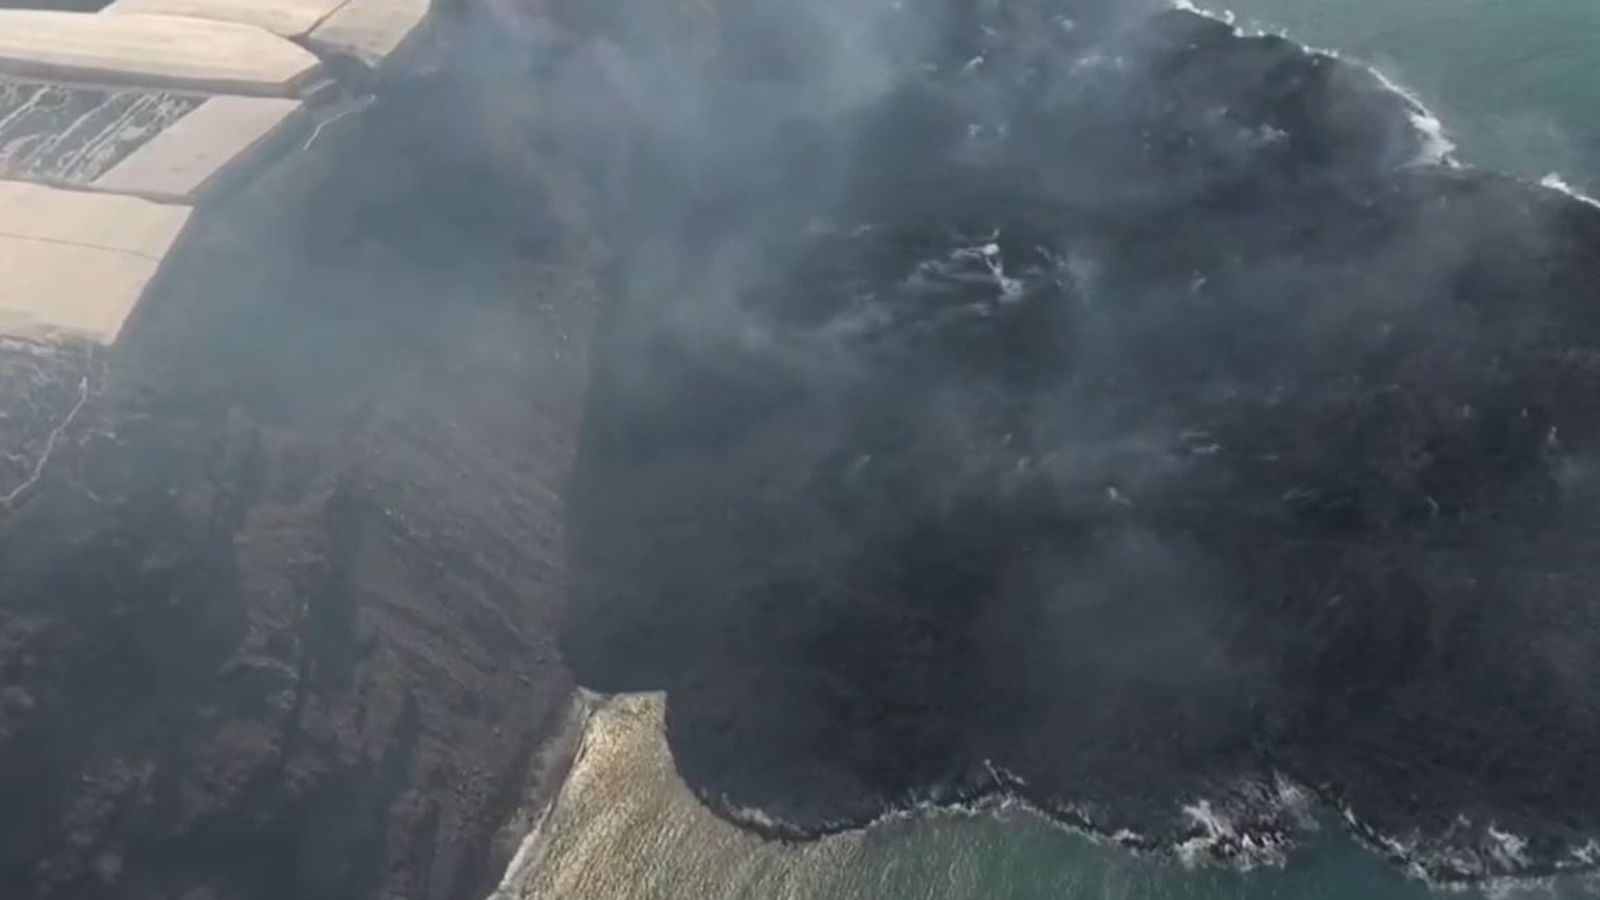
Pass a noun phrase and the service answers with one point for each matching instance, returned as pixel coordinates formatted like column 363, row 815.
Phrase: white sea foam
column 1295, row 801
column 1507, row 848
column 1437, row 147
column 1470, row 869
column 1555, row 182
column 1214, row 830
column 1224, row 16
column 1221, row 837
column 750, row 816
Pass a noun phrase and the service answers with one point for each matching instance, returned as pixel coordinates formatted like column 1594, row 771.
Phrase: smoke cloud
column 1084, row 401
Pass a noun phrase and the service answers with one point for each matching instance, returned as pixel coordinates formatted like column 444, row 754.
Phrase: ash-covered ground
column 1088, row 402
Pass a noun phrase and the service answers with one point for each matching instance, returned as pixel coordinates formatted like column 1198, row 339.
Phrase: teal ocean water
column 1517, row 85
column 626, row 828
column 1515, row 81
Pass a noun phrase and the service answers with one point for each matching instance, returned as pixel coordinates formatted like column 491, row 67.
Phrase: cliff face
column 277, row 621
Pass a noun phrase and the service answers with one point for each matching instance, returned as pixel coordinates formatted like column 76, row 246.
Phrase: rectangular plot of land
column 78, row 263
column 223, row 136
column 289, row 18
column 72, row 135
column 370, row 30
column 153, row 51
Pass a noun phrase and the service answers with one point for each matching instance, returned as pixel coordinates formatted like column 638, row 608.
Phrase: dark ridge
column 278, row 621
column 1122, row 415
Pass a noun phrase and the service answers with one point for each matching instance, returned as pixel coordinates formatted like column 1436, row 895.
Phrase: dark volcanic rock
column 1125, row 413
column 279, row 619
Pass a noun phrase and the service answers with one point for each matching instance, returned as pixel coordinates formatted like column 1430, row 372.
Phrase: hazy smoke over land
column 1083, row 400
column 1067, row 399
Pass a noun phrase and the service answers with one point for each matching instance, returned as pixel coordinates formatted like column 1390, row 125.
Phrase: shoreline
column 1220, row 839
column 549, row 776
column 588, row 712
